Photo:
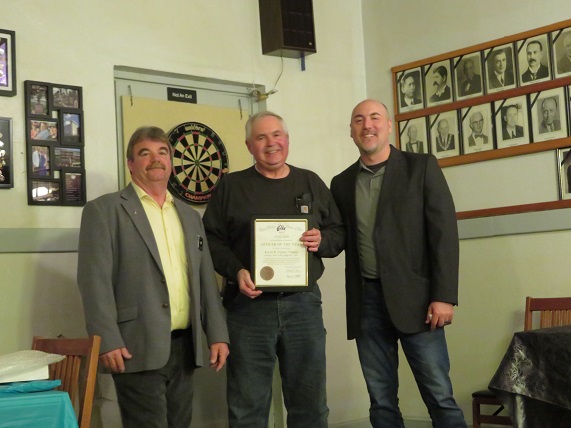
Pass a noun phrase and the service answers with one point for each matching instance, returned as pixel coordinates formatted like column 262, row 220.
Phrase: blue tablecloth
column 49, row 409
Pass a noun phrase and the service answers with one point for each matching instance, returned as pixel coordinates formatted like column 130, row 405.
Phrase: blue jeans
column 288, row 326
column 426, row 353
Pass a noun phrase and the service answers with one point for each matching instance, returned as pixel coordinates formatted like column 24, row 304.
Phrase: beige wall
column 79, row 43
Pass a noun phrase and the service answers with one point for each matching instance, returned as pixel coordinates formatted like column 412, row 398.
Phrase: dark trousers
column 160, row 398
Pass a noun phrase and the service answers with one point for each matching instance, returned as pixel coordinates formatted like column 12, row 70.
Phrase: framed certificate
column 280, row 260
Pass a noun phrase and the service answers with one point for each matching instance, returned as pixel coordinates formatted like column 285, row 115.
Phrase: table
column 48, row 409
column 534, row 378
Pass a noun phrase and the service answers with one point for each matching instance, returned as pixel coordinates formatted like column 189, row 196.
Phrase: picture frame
column 548, row 114
column 438, row 83
column 444, row 135
column 71, row 127
column 40, row 162
column 413, row 136
column 410, row 90
column 563, row 166
column 45, row 130
column 6, row 153
column 8, row 86
column 37, row 97
column 534, row 60
column 561, row 52
column 73, row 192
column 511, row 120
column 468, row 76
column 477, row 129
column 44, row 192
column 55, row 140
column 500, row 68
column 66, row 97
column 67, row 157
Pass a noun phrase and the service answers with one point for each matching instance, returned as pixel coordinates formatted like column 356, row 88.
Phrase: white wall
column 79, row 43
column 495, row 273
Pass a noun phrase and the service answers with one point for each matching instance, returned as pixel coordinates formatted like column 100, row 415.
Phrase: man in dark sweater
column 264, row 325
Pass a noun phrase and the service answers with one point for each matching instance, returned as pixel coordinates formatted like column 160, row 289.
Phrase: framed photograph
column 44, row 192
column 548, row 114
column 6, row 163
column 66, row 97
column 511, row 119
column 534, row 63
column 37, row 99
column 438, row 83
column 7, row 63
column 468, row 76
column 73, row 187
column 71, row 127
column 409, row 84
column 500, row 68
column 444, row 135
column 67, row 157
column 43, row 130
column 413, row 136
column 561, row 48
column 563, row 164
column 40, row 161
column 477, row 129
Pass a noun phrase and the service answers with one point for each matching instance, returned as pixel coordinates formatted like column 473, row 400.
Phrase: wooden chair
column 77, row 372
column 553, row 312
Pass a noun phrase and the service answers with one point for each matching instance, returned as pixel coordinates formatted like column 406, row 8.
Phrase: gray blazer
column 123, row 287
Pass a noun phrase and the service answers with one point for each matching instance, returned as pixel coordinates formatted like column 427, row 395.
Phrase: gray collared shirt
column 367, row 193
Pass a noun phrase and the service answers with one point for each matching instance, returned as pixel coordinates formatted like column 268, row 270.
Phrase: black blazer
column 416, row 235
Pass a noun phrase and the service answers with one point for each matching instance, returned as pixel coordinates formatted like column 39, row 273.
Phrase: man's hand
column 218, row 354
column 246, row 285
column 115, row 360
column 311, row 239
column 439, row 314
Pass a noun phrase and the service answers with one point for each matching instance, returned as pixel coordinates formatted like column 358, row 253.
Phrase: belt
column 176, row 334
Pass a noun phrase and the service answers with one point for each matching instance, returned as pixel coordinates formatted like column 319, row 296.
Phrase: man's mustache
column 156, row 165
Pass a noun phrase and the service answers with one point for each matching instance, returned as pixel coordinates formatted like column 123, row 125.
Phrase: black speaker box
column 287, row 27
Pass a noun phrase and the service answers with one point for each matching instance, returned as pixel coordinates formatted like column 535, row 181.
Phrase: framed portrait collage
column 55, row 144
column 503, row 98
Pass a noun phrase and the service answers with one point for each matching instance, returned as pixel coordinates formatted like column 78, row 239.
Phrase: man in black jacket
column 401, row 256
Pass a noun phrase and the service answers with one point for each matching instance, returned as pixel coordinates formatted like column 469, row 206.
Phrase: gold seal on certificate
column 280, row 258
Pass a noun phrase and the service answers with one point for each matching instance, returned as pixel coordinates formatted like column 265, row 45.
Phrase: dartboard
column 199, row 162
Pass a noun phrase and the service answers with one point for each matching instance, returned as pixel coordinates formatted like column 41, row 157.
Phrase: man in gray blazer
column 148, row 286
column 401, row 268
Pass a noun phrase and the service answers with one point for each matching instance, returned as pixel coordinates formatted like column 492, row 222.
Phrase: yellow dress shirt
column 169, row 237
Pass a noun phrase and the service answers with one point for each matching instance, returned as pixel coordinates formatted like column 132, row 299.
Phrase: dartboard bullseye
column 199, row 162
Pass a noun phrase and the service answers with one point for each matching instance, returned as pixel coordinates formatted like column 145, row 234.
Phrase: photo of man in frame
column 412, row 135
column 534, row 60
column 409, row 90
column 510, row 127
column 548, row 115
column 476, row 126
column 468, row 76
column 500, row 66
column 438, row 83
column 445, row 141
column 562, row 52
column 565, row 172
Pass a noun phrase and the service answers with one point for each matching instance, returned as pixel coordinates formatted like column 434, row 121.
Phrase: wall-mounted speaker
column 287, row 27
